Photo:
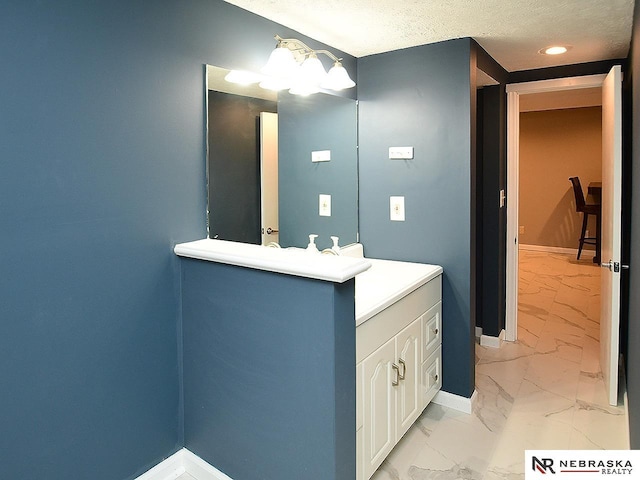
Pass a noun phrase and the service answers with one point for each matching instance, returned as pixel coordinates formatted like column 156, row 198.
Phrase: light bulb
column 311, row 71
column 554, row 50
column 309, row 76
column 337, row 78
column 276, row 84
column 281, row 63
column 303, row 90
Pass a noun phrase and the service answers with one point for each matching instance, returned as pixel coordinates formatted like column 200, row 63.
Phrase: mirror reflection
column 280, row 167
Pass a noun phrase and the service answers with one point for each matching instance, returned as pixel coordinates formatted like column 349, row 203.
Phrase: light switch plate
column 325, row 205
column 401, row 153
column 396, row 205
column 321, row 156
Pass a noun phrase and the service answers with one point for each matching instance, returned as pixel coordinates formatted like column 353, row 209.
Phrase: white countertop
column 379, row 283
column 297, row 262
column 386, row 282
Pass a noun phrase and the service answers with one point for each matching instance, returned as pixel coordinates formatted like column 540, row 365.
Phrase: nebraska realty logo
column 581, row 464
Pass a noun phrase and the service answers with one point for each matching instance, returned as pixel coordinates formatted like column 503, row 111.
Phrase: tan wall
column 556, row 145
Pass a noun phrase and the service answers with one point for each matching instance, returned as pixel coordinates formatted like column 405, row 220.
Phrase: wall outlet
column 521, row 230
column 324, row 205
column 396, row 205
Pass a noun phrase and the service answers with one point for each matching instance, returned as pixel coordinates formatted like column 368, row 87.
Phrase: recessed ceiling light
column 554, row 50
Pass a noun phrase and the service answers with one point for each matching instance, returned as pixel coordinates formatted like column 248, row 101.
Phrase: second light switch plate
column 396, row 206
column 325, row 205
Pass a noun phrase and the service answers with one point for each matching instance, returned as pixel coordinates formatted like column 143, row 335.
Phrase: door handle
column 608, row 264
column 397, row 369
column 615, row 266
column 404, row 369
column 271, row 230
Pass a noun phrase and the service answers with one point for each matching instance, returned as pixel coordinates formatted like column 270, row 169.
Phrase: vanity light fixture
column 296, row 66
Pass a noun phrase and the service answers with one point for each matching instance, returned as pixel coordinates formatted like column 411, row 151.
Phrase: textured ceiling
column 512, row 31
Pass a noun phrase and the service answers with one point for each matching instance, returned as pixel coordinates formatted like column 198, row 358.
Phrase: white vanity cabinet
column 398, row 371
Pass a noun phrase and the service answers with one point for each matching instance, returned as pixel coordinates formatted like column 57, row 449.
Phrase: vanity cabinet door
column 409, row 397
column 379, row 407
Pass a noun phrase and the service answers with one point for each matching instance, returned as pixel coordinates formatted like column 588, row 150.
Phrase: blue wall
column 103, row 171
column 421, row 97
column 269, row 381
column 306, row 124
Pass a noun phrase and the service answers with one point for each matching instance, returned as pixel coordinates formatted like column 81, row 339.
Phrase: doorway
column 514, row 93
column 559, row 288
column 611, row 208
column 547, row 394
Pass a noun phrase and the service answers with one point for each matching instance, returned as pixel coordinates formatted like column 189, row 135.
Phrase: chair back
column 577, row 192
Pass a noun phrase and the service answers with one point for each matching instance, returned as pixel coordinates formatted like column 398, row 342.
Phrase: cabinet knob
column 436, row 331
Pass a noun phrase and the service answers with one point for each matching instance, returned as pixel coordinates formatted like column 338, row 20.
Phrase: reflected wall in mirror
column 317, row 123
column 240, row 164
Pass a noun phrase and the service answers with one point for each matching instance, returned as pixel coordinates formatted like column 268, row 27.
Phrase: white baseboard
column 548, row 249
column 493, row 342
column 456, row 402
column 183, row 461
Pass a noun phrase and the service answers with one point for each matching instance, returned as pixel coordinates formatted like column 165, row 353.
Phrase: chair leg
column 585, row 217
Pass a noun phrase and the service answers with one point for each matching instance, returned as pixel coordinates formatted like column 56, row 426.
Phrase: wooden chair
column 586, row 209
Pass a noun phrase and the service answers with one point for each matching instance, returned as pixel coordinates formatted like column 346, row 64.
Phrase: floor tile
column 602, row 425
column 554, row 374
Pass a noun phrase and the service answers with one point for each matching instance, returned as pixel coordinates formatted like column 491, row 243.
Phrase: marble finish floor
column 544, row 391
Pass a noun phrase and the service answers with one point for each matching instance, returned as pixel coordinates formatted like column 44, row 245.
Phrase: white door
column 611, row 226
column 269, row 177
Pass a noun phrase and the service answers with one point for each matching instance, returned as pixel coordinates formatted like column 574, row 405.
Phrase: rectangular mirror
column 259, row 159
